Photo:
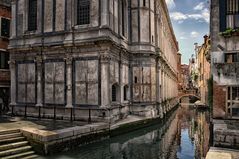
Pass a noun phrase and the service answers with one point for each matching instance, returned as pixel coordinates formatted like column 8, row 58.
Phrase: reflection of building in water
column 197, row 124
column 155, row 144
column 202, row 134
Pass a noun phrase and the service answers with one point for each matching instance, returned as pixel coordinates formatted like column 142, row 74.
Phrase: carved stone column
column 105, row 80
column 157, row 82
column 68, row 60
column 39, row 81
column 12, row 65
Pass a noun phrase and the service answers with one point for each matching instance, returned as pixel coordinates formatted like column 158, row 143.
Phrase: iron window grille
column 32, row 15
column 83, row 12
column 114, row 93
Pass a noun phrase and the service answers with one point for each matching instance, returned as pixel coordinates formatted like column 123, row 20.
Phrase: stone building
column 179, row 63
column 224, row 68
column 203, row 69
column 185, row 77
column 98, row 58
column 5, row 16
column 225, row 58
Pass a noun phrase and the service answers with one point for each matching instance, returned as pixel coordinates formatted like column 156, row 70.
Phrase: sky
column 190, row 20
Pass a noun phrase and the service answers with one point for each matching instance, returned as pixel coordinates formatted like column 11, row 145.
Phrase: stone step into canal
column 13, row 145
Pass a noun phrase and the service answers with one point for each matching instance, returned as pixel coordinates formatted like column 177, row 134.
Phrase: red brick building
column 5, row 16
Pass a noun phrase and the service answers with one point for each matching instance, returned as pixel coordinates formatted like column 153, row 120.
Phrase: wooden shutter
column 222, row 11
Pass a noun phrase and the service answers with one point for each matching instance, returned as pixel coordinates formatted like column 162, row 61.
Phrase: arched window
column 126, row 92
column 83, row 12
column 114, row 93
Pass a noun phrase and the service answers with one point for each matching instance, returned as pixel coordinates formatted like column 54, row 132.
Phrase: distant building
column 185, row 77
column 5, row 16
column 203, row 69
column 179, row 72
column 112, row 57
column 193, row 72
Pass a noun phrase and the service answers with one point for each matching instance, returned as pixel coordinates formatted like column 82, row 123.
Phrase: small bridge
column 188, row 93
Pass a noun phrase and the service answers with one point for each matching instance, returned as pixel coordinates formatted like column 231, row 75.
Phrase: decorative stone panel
column 54, row 82
column 86, row 82
column 26, row 83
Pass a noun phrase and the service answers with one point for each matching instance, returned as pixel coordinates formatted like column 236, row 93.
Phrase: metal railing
column 72, row 115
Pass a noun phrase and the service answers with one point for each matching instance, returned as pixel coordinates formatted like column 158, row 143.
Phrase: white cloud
column 200, row 6
column 183, row 38
column 194, row 34
column 178, row 16
column 170, row 4
column 181, row 17
column 206, row 15
column 195, row 16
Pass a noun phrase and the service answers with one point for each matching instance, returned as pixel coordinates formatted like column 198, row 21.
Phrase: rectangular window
column 231, row 57
column 5, row 27
column 233, row 101
column 83, row 12
column 32, row 15
column 232, row 14
column 4, row 58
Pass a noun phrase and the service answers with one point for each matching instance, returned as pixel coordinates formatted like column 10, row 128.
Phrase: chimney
column 205, row 39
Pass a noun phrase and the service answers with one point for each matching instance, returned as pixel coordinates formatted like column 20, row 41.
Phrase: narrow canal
column 183, row 135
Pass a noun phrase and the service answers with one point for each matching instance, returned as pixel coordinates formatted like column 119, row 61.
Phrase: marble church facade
column 98, row 58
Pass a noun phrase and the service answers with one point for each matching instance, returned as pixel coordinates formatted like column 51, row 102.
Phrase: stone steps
column 15, row 151
column 12, row 140
column 4, row 132
column 13, row 135
column 22, row 155
column 14, row 145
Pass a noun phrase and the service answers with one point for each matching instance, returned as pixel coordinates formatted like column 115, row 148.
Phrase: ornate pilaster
column 12, row 65
column 68, row 61
column 14, row 18
column 104, row 12
column 39, row 62
column 105, row 80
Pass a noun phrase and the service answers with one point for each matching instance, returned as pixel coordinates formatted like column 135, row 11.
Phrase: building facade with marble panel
column 112, row 57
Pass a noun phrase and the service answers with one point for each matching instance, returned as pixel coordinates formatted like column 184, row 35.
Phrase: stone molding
column 105, row 58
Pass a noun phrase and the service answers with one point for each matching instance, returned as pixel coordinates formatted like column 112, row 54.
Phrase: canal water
column 183, row 135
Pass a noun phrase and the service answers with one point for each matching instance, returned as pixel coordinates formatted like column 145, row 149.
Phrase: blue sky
column 190, row 19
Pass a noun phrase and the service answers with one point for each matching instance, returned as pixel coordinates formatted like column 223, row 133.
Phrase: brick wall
column 4, row 74
column 219, row 100
column 5, row 11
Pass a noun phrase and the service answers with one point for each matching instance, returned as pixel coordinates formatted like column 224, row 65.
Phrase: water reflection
column 184, row 135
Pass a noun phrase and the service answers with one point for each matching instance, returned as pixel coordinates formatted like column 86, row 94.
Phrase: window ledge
column 4, row 70
column 4, row 37
column 30, row 32
column 82, row 26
